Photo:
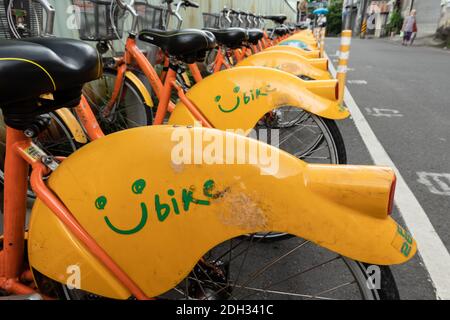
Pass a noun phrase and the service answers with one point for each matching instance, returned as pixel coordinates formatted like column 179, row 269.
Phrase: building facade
column 432, row 15
column 192, row 17
column 444, row 20
column 428, row 15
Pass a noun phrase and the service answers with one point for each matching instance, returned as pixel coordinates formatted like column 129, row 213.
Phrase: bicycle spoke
column 333, row 289
column 244, row 260
column 312, row 150
column 258, row 273
column 299, row 274
column 199, row 283
column 239, row 243
column 282, row 293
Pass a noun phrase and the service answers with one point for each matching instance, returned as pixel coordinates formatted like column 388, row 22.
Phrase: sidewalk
column 427, row 41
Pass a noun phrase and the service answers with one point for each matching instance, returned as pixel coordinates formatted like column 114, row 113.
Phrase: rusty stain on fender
column 243, row 212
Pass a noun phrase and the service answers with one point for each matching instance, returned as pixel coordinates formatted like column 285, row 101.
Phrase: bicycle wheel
column 130, row 111
column 308, row 137
column 251, row 269
column 55, row 140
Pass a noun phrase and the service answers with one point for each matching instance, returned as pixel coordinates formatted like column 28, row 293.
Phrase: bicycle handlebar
column 129, row 6
column 124, row 4
column 176, row 13
column 188, row 3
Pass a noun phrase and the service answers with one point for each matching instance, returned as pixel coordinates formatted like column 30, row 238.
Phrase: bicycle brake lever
column 124, row 4
column 188, row 3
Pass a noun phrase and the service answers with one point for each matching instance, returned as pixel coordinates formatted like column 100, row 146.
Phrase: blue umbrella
column 321, row 11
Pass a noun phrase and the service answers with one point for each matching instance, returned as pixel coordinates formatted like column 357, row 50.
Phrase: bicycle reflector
column 336, row 91
column 392, row 195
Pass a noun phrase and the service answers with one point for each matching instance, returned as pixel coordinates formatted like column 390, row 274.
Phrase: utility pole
column 362, row 14
column 348, row 9
column 299, row 11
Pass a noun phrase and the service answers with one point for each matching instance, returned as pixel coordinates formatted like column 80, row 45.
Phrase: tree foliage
column 334, row 19
column 395, row 23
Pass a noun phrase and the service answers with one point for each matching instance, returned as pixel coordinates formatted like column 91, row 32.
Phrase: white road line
column 434, row 254
column 437, row 183
column 383, row 112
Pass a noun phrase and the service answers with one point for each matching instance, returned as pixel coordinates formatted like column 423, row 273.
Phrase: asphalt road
column 404, row 93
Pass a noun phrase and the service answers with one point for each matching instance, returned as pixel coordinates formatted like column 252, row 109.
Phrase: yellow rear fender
column 307, row 54
column 320, row 63
column 141, row 87
column 238, row 98
column 298, row 44
column 328, row 89
column 306, row 34
column 159, row 215
column 288, row 62
column 311, row 41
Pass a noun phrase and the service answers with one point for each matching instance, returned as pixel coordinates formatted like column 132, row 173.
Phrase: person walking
column 414, row 34
column 322, row 21
column 409, row 27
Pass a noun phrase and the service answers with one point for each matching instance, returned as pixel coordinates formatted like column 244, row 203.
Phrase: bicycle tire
column 380, row 285
column 131, row 111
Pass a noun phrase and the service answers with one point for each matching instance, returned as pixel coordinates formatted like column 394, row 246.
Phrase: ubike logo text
column 163, row 205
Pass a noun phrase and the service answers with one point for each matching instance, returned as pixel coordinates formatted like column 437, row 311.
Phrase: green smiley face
column 137, row 188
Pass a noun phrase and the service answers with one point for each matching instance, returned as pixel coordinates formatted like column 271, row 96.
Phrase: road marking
column 432, row 250
column 437, row 183
column 388, row 113
column 344, row 55
column 364, row 82
column 351, row 69
column 342, row 69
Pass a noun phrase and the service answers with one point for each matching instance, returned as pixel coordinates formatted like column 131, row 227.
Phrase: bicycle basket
column 224, row 23
column 100, row 20
column 245, row 24
column 235, row 21
column 211, row 20
column 150, row 16
column 26, row 19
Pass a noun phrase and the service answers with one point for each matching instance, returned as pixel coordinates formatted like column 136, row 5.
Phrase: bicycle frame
column 21, row 154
